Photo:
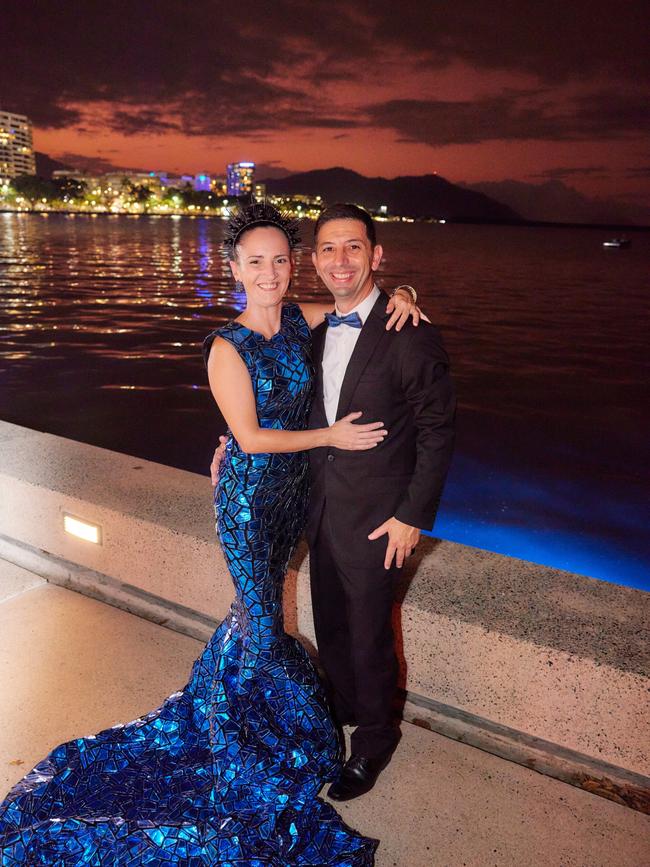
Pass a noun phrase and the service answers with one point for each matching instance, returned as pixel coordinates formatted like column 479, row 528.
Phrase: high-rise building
column 16, row 146
column 240, row 178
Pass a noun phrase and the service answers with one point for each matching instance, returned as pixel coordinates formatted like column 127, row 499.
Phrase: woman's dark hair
column 346, row 211
column 254, row 217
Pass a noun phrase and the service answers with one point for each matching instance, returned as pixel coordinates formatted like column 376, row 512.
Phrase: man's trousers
column 352, row 608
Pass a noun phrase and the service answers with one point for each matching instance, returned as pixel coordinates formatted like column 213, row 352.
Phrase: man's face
column 345, row 261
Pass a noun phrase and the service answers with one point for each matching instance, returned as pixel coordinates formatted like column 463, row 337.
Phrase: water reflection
column 204, row 255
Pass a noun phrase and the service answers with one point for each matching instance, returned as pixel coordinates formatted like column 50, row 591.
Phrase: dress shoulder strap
column 230, row 332
column 292, row 313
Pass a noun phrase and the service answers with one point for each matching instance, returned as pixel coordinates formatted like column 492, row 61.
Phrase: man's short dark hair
column 346, row 211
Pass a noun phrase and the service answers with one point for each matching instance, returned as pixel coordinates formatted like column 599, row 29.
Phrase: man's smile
column 341, row 276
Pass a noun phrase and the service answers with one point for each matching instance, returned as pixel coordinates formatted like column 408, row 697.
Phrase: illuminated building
column 315, row 201
column 259, row 191
column 202, row 182
column 240, row 178
column 178, row 182
column 219, row 186
column 75, row 175
column 119, row 179
column 16, row 146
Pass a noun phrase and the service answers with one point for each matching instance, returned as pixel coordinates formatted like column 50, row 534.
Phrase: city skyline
column 475, row 93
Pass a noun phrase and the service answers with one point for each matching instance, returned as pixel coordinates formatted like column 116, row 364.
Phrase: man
column 367, row 508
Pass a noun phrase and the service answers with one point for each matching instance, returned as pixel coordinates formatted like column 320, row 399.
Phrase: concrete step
column 71, row 666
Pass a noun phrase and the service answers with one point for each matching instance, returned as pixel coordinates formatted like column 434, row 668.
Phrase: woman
column 226, row 771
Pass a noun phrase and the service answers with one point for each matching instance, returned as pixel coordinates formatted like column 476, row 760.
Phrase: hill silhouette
column 410, row 196
column 45, row 165
column 554, row 201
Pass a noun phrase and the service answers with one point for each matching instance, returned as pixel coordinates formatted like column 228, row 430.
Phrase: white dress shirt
column 339, row 345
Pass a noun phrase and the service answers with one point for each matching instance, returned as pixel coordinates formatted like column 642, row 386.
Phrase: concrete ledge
column 558, row 657
column 104, row 588
column 595, row 776
column 157, row 522
column 532, row 648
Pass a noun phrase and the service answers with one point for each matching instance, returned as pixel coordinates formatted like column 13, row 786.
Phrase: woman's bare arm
column 314, row 312
column 233, row 391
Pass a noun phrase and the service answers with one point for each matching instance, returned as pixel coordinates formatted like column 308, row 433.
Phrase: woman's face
column 263, row 264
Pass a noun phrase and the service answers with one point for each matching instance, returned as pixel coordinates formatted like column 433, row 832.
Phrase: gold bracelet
column 412, row 292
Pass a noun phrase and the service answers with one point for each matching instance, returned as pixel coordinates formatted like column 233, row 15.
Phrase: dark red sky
column 473, row 90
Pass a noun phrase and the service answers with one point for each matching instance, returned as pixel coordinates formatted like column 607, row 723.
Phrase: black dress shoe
column 358, row 776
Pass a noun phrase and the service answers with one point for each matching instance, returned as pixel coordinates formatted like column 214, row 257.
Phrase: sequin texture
column 227, row 771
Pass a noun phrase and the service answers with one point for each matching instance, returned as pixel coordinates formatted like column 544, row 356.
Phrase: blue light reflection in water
column 544, row 523
column 203, row 280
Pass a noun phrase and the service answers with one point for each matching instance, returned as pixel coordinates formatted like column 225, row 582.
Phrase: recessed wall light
column 85, row 530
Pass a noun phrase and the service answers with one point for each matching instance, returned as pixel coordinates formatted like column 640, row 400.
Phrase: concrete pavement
column 70, row 666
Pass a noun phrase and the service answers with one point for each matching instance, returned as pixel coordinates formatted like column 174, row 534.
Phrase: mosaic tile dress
column 227, row 771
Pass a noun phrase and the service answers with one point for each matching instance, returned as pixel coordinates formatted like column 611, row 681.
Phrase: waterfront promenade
column 541, row 669
column 71, row 666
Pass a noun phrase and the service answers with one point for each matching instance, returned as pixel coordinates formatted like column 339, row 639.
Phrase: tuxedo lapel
column 317, row 349
column 318, row 344
column 371, row 333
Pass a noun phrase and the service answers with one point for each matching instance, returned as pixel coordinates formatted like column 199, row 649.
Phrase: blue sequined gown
column 227, row 771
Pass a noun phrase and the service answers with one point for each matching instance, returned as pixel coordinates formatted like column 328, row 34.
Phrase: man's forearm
column 419, row 505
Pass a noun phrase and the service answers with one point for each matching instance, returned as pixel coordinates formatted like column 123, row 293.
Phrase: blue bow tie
column 352, row 319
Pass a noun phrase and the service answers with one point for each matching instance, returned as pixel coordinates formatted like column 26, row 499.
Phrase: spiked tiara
column 259, row 214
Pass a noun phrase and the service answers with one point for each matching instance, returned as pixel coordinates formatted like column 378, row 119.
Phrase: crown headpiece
column 259, row 214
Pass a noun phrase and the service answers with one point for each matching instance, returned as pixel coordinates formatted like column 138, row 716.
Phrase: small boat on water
column 617, row 242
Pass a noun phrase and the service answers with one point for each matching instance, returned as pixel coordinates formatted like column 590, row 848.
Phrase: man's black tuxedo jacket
column 402, row 379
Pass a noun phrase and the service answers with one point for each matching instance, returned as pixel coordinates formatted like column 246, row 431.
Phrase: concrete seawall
column 545, row 667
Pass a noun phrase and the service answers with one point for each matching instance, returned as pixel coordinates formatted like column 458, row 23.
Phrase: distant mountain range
column 410, row 196
column 554, row 201
column 432, row 196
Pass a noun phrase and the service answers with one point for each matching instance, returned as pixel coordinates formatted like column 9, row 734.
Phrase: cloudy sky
column 470, row 89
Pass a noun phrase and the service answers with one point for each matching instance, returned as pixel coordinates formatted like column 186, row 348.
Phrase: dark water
column 102, row 319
